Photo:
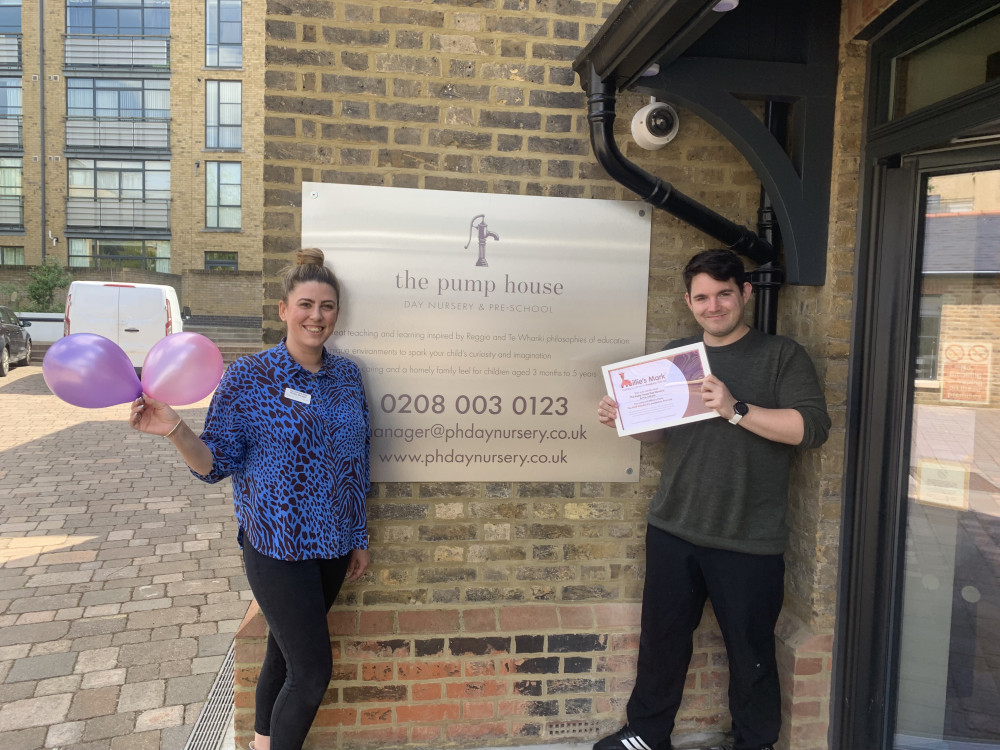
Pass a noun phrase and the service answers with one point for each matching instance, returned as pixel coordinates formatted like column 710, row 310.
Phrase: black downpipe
column 601, row 99
column 768, row 279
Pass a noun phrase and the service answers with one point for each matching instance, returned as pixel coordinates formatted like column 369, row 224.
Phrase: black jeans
column 294, row 597
column 746, row 592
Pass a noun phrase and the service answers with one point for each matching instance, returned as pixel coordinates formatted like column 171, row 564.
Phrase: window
column 11, row 256
column 10, row 97
column 118, row 98
column 11, row 195
column 10, row 16
column 223, row 34
column 121, row 18
column 10, row 111
column 223, row 208
column 119, row 180
column 223, row 114
column 928, row 340
column 153, row 255
column 217, row 260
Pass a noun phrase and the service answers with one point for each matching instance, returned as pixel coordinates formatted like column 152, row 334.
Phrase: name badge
column 294, row 395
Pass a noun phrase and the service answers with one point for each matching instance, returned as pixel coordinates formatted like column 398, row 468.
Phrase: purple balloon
column 181, row 369
column 84, row 369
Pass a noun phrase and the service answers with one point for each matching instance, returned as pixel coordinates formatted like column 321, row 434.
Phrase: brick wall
column 482, row 676
column 481, row 97
column 227, row 293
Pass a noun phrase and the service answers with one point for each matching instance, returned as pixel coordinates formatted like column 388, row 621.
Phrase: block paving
column 121, row 584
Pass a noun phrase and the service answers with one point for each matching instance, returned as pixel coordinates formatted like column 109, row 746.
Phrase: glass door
column 947, row 692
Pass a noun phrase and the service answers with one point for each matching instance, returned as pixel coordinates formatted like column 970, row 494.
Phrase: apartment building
column 131, row 139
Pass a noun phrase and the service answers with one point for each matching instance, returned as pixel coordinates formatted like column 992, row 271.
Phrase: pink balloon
column 87, row 370
column 181, row 369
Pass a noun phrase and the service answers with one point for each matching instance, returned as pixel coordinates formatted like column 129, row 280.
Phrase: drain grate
column 582, row 729
column 216, row 716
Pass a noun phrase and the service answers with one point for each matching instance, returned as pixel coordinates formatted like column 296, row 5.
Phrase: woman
column 290, row 426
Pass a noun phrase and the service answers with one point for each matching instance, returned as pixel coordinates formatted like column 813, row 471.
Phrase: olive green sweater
column 722, row 486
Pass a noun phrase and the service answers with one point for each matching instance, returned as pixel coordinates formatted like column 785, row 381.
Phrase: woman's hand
column 358, row 563
column 152, row 416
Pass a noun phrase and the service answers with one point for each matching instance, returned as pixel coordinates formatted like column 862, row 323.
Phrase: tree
column 44, row 282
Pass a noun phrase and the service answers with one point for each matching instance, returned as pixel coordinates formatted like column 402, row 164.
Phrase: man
column 716, row 525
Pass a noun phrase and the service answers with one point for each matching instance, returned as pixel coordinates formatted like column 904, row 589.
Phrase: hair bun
column 309, row 256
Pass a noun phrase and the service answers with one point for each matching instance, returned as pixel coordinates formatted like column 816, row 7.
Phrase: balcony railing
column 10, row 51
column 11, row 211
column 117, row 132
column 120, row 214
column 92, row 50
column 10, row 131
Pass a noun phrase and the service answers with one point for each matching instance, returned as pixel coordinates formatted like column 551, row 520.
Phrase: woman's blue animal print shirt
column 300, row 470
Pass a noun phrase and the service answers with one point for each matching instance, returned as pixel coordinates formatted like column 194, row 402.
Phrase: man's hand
column 607, row 411
column 717, row 397
column 777, row 425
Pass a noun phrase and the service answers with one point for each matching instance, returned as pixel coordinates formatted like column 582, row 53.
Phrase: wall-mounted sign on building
column 965, row 371
column 481, row 323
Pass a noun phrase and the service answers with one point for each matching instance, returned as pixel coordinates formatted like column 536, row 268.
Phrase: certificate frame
column 659, row 390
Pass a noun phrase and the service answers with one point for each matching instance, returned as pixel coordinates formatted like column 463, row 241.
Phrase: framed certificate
column 659, row 390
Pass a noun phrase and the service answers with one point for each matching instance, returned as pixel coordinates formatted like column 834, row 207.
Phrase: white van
column 134, row 316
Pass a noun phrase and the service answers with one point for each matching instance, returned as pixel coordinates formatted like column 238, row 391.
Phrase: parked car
column 134, row 316
column 16, row 341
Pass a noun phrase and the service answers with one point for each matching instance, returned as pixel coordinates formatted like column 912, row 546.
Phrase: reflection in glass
column 961, row 59
column 949, row 665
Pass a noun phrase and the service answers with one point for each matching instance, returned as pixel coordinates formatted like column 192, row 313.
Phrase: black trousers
column 294, row 597
column 746, row 592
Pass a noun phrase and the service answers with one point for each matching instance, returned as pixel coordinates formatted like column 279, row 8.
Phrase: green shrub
column 42, row 287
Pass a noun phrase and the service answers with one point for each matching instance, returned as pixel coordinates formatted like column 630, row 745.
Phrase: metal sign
column 481, row 322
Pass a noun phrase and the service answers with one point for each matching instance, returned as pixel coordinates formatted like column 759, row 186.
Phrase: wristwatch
column 740, row 410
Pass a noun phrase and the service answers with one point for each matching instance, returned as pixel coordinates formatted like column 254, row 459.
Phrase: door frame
column 897, row 154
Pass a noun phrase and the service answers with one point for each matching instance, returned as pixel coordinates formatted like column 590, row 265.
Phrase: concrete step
column 219, row 334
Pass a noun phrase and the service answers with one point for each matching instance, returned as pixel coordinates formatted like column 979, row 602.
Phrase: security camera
column 655, row 125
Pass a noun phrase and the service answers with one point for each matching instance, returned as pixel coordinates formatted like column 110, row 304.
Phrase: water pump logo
column 484, row 234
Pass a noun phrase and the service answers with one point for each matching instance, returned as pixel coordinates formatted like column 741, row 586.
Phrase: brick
column 373, row 693
column 307, row 8
column 510, row 120
column 429, row 670
column 478, row 646
column 299, row 105
column 411, row 17
column 472, row 690
column 428, row 647
column 376, row 716
column 431, row 692
column 530, row 618
column 427, row 712
column 356, row 133
column 355, row 37
column 529, row 644
column 343, row 84
column 541, row 665
column 577, row 642
column 428, row 621
column 380, row 672
column 311, row 58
